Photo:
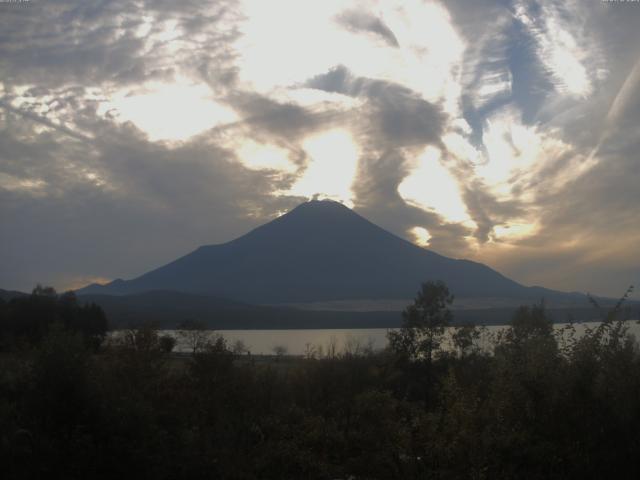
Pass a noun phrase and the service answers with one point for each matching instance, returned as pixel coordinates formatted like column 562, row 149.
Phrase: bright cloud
column 562, row 45
column 466, row 126
column 431, row 186
column 260, row 156
column 421, row 236
column 168, row 111
column 332, row 168
column 514, row 231
column 425, row 59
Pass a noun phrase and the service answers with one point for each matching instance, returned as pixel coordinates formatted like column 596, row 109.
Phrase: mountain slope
column 319, row 251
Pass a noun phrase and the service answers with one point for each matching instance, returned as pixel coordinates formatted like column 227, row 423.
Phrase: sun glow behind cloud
column 421, row 236
column 514, row 231
column 425, row 59
column 423, row 53
column 11, row 182
column 334, row 160
column 561, row 46
column 426, row 56
column 262, row 156
column 431, row 186
column 168, row 111
column 534, row 144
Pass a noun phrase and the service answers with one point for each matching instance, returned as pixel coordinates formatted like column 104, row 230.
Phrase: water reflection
column 326, row 341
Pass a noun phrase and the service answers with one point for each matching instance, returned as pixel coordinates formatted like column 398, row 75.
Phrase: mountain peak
column 325, row 204
column 320, row 207
column 321, row 250
column 315, row 222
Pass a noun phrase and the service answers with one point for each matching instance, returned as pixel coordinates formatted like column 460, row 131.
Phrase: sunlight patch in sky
column 421, row 236
column 315, row 42
column 319, row 100
column 262, row 156
column 514, row 231
column 559, row 49
column 333, row 162
column 168, row 111
column 493, row 85
column 11, row 182
column 308, row 42
column 519, row 154
column 75, row 282
column 512, row 150
column 460, row 147
column 144, row 26
column 431, row 186
column 511, row 93
column 509, row 145
column 431, row 50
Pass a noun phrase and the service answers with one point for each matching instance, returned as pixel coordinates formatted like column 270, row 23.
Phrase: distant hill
column 321, row 251
column 7, row 295
column 167, row 309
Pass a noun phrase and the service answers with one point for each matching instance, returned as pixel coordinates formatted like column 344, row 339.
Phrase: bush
column 532, row 408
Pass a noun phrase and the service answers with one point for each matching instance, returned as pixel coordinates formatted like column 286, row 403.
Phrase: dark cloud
column 149, row 200
column 588, row 230
column 278, row 119
column 394, row 124
column 395, row 115
column 377, row 198
column 487, row 211
column 28, row 114
column 54, row 43
column 96, row 42
column 359, row 21
column 77, row 188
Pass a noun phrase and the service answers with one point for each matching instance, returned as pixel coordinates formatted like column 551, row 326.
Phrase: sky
column 503, row 131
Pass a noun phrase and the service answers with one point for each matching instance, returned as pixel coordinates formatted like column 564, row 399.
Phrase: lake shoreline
column 298, row 342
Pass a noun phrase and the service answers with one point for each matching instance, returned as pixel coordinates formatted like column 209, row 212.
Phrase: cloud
column 105, row 43
column 523, row 113
column 359, row 21
column 394, row 124
column 279, row 119
column 396, row 116
column 587, row 232
column 148, row 200
column 563, row 46
column 77, row 43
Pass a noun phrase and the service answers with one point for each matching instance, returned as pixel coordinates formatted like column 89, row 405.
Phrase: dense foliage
column 29, row 318
column 533, row 403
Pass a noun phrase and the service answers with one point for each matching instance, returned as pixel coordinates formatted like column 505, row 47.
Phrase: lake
column 299, row 342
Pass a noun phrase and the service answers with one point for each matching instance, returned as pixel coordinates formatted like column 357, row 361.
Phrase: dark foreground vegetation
column 537, row 404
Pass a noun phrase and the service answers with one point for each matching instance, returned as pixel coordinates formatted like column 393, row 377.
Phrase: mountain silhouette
column 319, row 251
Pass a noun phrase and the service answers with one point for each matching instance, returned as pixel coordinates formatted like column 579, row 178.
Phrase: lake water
column 300, row 342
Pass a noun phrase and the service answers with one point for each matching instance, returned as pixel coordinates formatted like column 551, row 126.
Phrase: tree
column 31, row 317
column 166, row 343
column 424, row 323
column 3, row 322
column 194, row 334
column 142, row 339
column 531, row 322
column 279, row 350
column 239, row 347
column 465, row 339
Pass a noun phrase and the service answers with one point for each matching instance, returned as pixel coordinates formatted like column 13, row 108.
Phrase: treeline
column 537, row 404
column 28, row 319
